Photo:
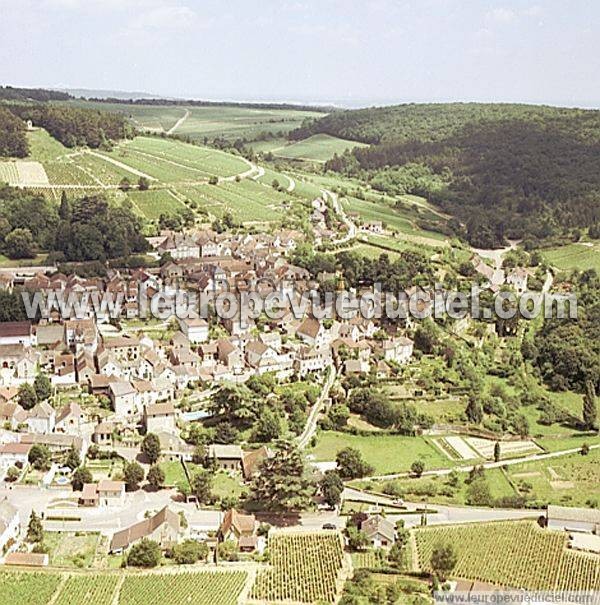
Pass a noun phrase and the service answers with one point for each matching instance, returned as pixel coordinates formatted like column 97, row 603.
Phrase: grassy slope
column 580, row 256
column 318, row 148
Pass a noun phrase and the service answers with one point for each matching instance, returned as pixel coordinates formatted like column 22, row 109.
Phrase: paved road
column 443, row 513
column 313, row 417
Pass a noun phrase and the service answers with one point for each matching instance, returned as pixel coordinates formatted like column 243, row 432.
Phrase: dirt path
column 179, row 122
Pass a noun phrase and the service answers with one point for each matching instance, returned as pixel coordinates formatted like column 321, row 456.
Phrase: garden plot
column 508, row 449
column 459, row 446
column 23, row 173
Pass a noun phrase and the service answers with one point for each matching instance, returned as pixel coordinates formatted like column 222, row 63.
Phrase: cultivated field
column 23, row 173
column 212, row 121
column 197, row 588
column 582, row 256
column 305, row 569
column 204, row 588
column 516, row 555
column 318, row 148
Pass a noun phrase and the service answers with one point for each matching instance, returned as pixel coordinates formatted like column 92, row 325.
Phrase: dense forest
column 79, row 230
column 13, row 142
column 567, row 353
column 74, row 126
column 515, row 171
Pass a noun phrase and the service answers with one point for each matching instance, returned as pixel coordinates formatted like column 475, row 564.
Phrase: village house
column 103, row 433
column 17, row 333
column 124, row 399
column 70, row 419
column 240, row 528
column 179, row 246
column 310, row 359
column 380, row 532
column 373, row 227
column 14, row 454
column 103, row 493
column 163, row 527
column 41, row 418
column 226, row 457
column 159, row 417
column 12, row 414
column 123, row 348
column 398, row 350
column 195, row 330
column 27, row 559
column 313, row 332
column 10, row 524
column 517, row 278
column 251, row 461
column 18, row 364
column 57, row 443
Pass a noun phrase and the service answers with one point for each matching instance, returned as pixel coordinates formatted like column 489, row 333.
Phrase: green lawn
column 225, row 486
column 174, row 473
column 317, row 148
column 70, row 549
column 386, row 453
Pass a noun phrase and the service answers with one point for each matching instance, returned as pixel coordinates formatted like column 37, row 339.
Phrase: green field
column 517, row 555
column 247, row 201
column 96, row 590
column 318, row 148
column 28, row 588
column 582, row 256
column 199, row 588
column 386, row 453
column 398, row 219
column 155, row 202
column 204, row 588
column 211, row 121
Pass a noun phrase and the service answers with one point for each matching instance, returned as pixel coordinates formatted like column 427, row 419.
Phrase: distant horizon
column 124, row 95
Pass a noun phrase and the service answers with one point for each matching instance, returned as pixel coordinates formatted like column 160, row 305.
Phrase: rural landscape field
column 299, row 303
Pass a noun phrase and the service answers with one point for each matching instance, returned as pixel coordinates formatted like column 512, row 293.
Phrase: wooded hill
column 517, row 171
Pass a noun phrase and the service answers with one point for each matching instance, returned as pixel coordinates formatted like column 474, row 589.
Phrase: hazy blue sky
column 327, row 50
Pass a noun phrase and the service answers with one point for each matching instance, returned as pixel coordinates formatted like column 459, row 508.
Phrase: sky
column 346, row 52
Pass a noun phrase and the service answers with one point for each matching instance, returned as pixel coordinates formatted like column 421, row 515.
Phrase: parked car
column 329, row 526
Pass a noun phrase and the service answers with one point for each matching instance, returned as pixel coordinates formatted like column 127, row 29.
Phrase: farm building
column 573, row 519
column 163, row 528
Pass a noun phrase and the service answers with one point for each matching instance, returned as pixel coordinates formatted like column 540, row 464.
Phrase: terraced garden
column 513, row 554
column 305, row 569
